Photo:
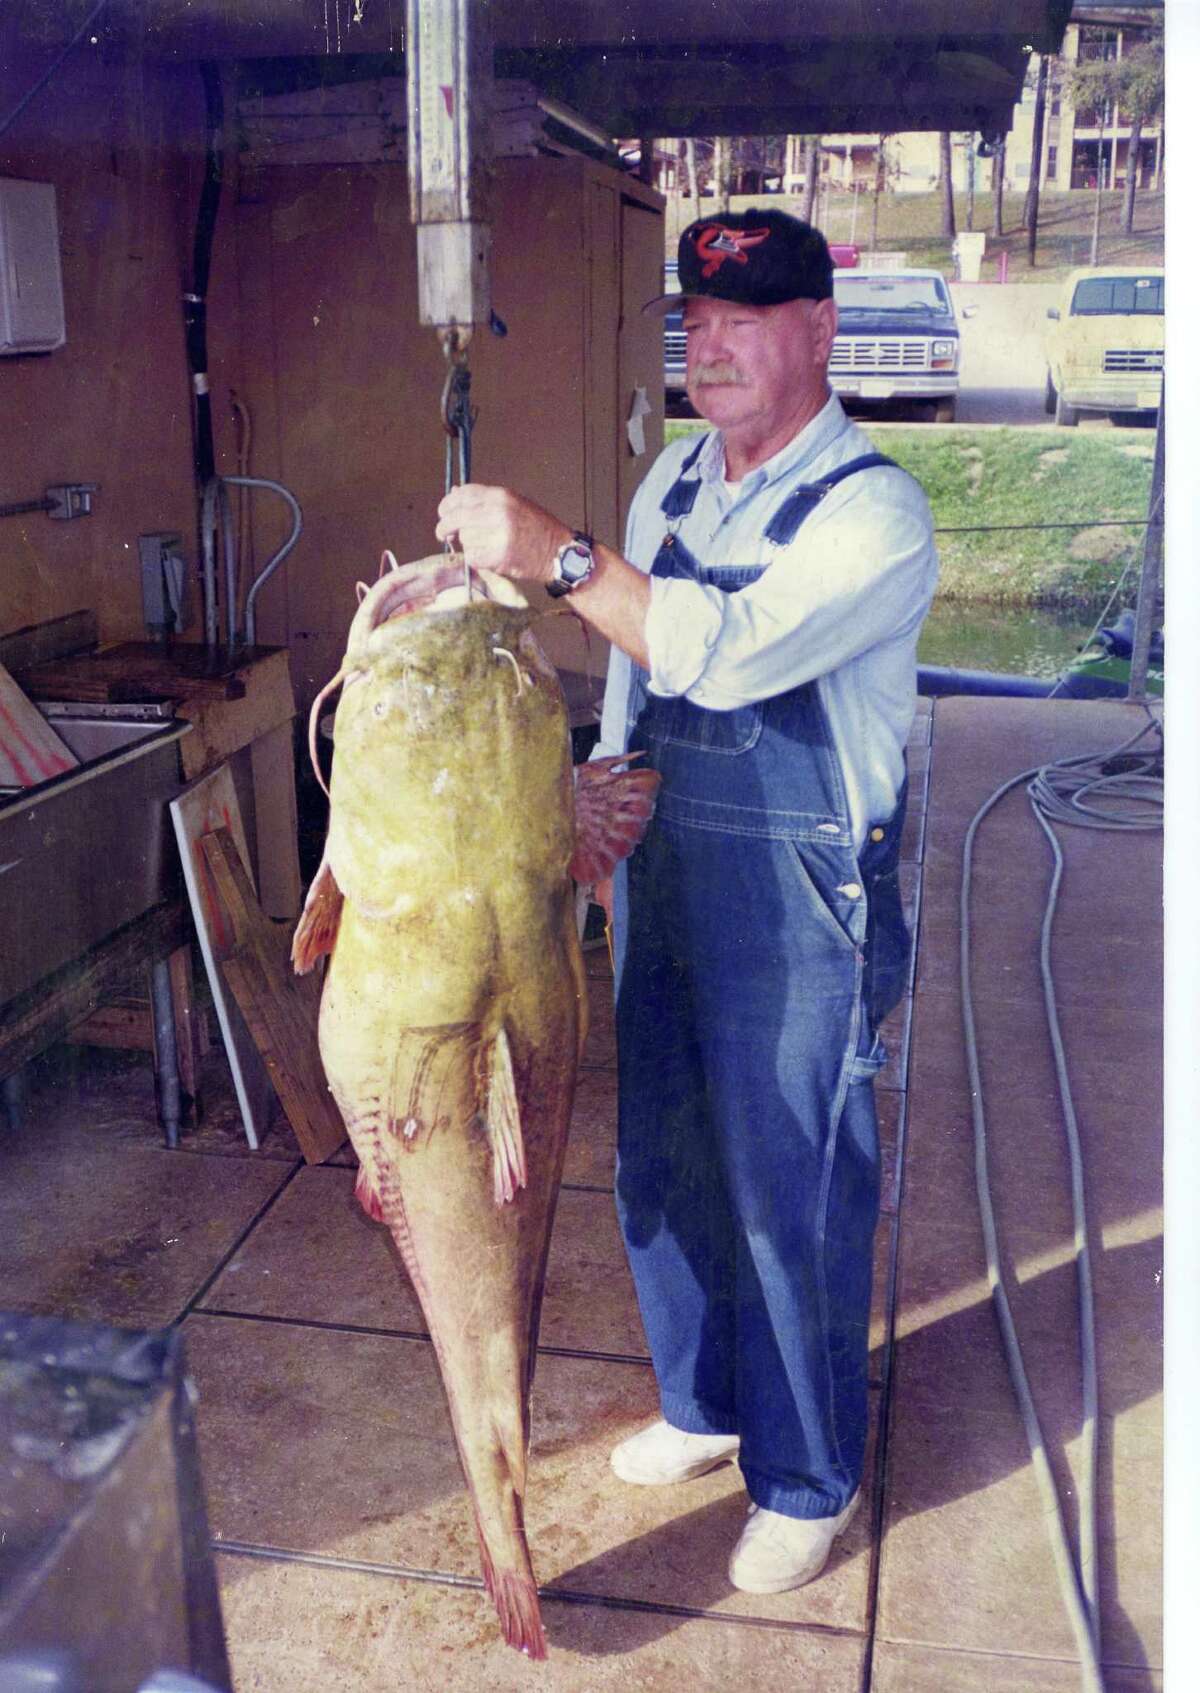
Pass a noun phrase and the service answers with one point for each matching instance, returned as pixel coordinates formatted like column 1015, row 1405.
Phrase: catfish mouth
column 409, row 588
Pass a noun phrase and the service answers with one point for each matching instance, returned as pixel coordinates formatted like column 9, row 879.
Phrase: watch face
column 575, row 562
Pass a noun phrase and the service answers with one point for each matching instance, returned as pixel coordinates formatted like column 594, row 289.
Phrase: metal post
column 1151, row 577
column 166, row 1051
column 449, row 70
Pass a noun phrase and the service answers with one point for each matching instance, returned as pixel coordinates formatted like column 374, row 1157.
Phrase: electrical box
column 31, row 294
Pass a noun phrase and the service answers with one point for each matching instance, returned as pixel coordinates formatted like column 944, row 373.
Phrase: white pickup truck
column 1104, row 347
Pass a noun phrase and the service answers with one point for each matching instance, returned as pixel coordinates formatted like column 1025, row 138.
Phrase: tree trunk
column 721, row 164
column 812, row 170
column 1131, row 173
column 1030, row 215
column 971, row 180
column 998, row 189
column 1095, row 258
column 880, row 180
column 947, row 185
column 689, row 153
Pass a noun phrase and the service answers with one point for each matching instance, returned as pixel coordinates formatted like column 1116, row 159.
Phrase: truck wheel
column 1051, row 395
column 944, row 410
column 1064, row 415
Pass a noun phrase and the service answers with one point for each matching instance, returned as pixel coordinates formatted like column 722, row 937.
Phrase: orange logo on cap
column 715, row 244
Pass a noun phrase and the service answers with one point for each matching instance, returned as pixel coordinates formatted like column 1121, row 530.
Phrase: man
column 764, row 623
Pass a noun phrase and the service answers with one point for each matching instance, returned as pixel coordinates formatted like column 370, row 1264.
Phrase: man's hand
column 501, row 531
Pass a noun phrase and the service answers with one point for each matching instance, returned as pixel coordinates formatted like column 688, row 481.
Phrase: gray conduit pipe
column 272, row 564
column 216, row 495
column 208, row 507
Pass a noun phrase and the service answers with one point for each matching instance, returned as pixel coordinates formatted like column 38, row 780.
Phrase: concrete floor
column 344, row 1547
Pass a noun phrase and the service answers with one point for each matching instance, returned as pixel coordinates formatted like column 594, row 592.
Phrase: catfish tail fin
column 515, row 1597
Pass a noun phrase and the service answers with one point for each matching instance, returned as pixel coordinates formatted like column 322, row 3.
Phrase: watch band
column 573, row 564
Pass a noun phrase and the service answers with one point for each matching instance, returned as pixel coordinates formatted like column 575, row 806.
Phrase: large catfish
column 454, row 1007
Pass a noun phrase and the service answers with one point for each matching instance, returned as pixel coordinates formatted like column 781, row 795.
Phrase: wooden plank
column 222, row 726
column 191, row 1027
column 37, row 643
column 280, row 1008
column 135, row 672
column 30, row 750
column 127, row 1026
column 43, row 1014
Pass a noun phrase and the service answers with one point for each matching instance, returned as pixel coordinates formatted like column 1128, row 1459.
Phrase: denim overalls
column 757, row 955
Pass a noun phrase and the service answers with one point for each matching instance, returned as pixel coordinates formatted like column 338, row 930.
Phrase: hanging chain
column 458, row 420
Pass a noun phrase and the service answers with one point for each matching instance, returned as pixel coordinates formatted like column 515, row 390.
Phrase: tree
column 998, row 158
column 812, row 172
column 1030, row 214
column 947, row 186
column 881, row 175
column 970, row 157
column 1133, row 84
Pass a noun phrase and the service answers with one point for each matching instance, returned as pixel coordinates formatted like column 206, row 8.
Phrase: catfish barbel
column 453, row 1012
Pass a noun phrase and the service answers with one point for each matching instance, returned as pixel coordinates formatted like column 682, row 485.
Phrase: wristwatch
column 573, row 564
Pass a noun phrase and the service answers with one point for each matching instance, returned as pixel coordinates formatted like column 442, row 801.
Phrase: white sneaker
column 776, row 1553
column 662, row 1454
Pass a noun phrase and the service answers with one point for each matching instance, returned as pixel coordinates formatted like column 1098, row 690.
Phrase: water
column 1017, row 640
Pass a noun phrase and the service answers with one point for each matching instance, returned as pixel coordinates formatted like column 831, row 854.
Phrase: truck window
column 1118, row 296
column 890, row 293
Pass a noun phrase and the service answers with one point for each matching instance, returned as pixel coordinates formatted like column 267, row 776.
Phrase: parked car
column 1104, row 349
column 674, row 346
column 897, row 338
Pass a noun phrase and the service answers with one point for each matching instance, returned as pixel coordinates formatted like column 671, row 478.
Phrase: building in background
column 1071, row 138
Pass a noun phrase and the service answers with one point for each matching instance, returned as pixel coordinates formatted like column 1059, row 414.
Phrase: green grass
column 979, row 477
column 911, row 223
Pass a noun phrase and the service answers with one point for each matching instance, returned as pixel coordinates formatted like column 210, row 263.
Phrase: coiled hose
column 1123, row 790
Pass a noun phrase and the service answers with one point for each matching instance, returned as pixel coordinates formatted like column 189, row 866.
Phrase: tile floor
column 344, row 1547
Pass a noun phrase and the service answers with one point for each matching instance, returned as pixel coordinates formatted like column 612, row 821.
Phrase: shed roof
column 659, row 67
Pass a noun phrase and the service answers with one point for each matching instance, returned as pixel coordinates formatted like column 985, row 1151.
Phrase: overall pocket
column 822, row 873
column 677, row 722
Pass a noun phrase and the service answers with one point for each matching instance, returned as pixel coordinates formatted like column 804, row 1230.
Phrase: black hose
column 195, row 306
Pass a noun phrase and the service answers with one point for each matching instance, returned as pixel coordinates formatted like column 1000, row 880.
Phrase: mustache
column 728, row 375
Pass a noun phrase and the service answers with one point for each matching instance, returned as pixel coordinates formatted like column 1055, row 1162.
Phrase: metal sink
column 88, row 851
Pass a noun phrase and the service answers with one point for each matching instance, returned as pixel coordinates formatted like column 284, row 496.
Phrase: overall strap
column 803, row 500
column 680, row 497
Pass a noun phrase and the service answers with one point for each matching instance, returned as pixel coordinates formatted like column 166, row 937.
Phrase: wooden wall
column 121, row 142
column 345, row 385
column 313, row 330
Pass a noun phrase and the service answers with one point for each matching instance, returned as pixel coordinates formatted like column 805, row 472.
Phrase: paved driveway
column 1003, row 356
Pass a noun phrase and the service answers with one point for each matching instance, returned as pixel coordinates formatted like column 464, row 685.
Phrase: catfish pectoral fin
column 612, row 809
column 318, row 925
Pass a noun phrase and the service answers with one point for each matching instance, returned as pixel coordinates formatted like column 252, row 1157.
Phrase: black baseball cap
column 754, row 258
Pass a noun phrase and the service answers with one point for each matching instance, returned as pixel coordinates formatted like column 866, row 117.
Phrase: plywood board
column 209, row 804
column 280, row 1007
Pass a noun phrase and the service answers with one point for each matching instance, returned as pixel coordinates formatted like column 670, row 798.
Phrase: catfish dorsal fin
column 318, row 925
column 613, row 805
column 503, row 1118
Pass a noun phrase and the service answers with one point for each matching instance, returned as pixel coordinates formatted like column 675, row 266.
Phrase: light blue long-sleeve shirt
column 843, row 602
